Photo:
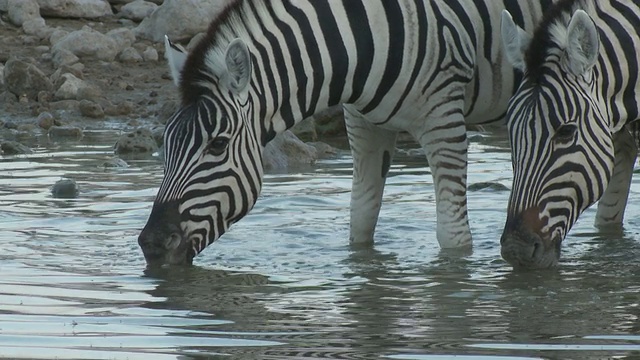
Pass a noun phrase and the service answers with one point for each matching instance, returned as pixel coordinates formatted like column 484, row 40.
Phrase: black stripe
column 363, row 37
column 337, row 51
column 395, row 53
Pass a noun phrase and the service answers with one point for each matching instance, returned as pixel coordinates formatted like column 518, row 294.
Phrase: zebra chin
column 162, row 241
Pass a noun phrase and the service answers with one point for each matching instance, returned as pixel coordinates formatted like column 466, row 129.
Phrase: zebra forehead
column 551, row 34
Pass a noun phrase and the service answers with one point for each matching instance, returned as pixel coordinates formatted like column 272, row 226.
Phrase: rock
column 65, row 131
column 150, row 54
column 138, row 10
column 330, row 122
column 37, row 27
column 88, row 42
column 123, row 108
column 89, row 92
column 287, row 151
column 90, row 109
column 4, row 5
column 65, row 189
column 20, row 11
column 63, row 57
column 178, row 21
column 130, row 55
column 68, row 86
column 22, row 78
column 90, row 9
column 123, row 37
column 324, row 150
column 1, row 75
column 57, row 35
column 115, row 162
column 46, row 120
column 487, row 185
column 14, row 148
column 140, row 141
column 305, row 130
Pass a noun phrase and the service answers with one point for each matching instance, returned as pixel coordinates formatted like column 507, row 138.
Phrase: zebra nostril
column 173, row 241
column 537, row 249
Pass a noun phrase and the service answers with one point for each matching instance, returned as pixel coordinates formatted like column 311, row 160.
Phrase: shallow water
column 283, row 283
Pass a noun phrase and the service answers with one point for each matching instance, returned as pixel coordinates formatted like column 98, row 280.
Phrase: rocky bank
column 71, row 65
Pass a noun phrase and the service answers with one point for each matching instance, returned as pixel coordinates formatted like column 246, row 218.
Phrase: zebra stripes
column 426, row 67
column 566, row 122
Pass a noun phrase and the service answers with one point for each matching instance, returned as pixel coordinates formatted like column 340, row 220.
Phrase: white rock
column 138, row 10
column 37, row 27
column 64, row 57
column 75, row 8
column 150, row 54
column 57, row 35
column 20, row 11
column 129, row 55
column 124, row 37
column 69, row 87
column 287, row 151
column 87, row 42
column 179, row 19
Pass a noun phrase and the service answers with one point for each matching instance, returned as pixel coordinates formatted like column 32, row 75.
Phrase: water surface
column 284, row 284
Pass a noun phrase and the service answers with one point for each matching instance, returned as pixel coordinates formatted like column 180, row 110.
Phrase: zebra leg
column 614, row 200
column 444, row 140
column 372, row 149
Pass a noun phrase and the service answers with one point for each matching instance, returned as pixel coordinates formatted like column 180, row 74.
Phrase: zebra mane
column 551, row 33
column 206, row 61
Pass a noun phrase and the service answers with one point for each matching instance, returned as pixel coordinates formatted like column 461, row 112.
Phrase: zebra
column 568, row 123
column 425, row 67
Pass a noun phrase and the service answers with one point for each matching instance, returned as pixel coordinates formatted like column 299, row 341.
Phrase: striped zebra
column 567, row 123
column 425, row 67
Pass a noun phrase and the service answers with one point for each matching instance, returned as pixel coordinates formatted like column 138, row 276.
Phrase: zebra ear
column 176, row 55
column 583, row 43
column 238, row 60
column 515, row 41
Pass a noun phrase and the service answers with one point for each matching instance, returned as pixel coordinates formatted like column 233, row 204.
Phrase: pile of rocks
column 68, row 61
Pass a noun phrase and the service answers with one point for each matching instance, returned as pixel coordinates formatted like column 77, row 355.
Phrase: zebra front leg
column 614, row 200
column 444, row 140
column 372, row 149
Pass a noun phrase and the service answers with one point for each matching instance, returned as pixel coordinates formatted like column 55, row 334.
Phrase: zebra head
column 213, row 163
column 562, row 149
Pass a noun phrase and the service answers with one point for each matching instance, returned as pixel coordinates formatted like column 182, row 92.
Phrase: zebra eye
column 565, row 133
column 217, row 146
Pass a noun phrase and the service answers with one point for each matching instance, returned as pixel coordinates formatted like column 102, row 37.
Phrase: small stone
column 138, row 10
column 46, row 120
column 130, row 55
column 150, row 54
column 115, row 162
column 65, row 131
column 140, row 141
column 64, row 57
column 488, row 186
column 14, row 148
column 65, row 189
column 90, row 109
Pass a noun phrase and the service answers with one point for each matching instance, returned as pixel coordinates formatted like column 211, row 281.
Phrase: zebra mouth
column 530, row 251
column 170, row 250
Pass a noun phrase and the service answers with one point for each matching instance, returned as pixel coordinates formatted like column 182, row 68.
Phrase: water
column 283, row 283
